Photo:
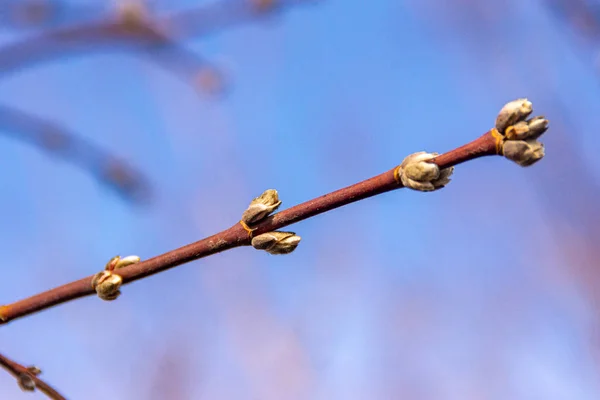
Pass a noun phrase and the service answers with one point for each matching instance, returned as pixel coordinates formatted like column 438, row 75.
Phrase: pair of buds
column 272, row 242
column 25, row 379
column 107, row 283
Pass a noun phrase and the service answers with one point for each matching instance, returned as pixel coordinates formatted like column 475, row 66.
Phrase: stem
column 19, row 371
column 236, row 236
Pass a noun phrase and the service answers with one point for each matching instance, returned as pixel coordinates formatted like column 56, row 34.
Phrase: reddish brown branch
column 236, row 236
column 27, row 378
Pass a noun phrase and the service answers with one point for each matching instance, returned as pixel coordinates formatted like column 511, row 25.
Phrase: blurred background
column 135, row 128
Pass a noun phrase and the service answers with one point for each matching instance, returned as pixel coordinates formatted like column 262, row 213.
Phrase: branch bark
column 237, row 236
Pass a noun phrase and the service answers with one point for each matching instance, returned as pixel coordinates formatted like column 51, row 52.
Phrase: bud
column 261, row 207
column 417, row 173
column 537, row 127
column 513, row 112
column 444, row 178
column 117, row 262
column 129, row 260
column 417, row 168
column 107, row 285
column 34, row 370
column 523, row 152
column 531, row 129
column 26, row 382
column 276, row 242
column 112, row 263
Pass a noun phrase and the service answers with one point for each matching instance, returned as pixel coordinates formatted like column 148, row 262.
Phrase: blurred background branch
column 63, row 28
column 582, row 17
column 51, row 138
column 27, row 378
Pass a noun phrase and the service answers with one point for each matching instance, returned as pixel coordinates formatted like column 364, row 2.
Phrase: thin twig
column 236, row 235
column 27, row 378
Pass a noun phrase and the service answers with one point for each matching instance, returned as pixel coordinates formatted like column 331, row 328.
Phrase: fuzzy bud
column 276, row 242
column 107, row 285
column 513, row 112
column 26, row 382
column 261, row 207
column 523, row 152
column 126, row 261
column 117, row 262
column 530, row 129
column 112, row 263
column 416, row 172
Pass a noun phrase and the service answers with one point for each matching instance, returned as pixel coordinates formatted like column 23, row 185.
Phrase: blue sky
column 466, row 293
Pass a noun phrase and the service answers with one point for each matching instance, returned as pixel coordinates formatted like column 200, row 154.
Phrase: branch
column 514, row 137
column 27, row 378
column 55, row 140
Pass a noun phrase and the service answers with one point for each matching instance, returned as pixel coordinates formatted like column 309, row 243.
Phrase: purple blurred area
column 487, row 289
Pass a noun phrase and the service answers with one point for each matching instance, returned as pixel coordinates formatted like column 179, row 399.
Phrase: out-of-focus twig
column 53, row 139
column 583, row 16
column 169, row 54
column 131, row 25
column 575, row 208
column 130, row 33
column 27, row 378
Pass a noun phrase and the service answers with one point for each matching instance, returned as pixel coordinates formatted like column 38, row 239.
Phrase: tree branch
column 237, row 236
column 27, row 378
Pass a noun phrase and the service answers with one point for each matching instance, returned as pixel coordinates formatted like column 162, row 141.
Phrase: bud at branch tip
column 516, row 136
